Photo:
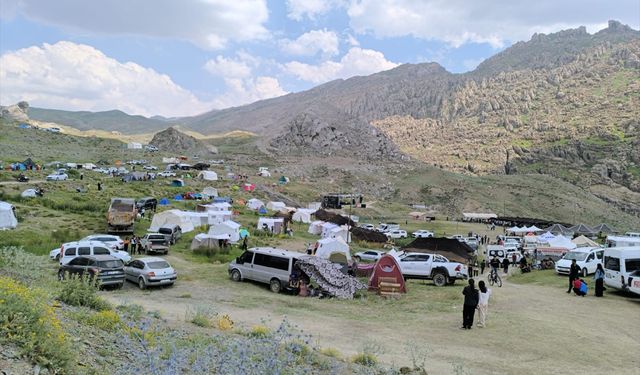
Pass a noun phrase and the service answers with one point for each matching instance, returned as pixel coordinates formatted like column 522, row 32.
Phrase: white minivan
column 265, row 265
column 70, row 250
column 587, row 258
column 619, row 264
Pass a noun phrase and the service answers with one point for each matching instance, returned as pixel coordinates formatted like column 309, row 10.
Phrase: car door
column 69, row 254
column 77, row 266
column 133, row 270
column 591, row 263
column 409, row 265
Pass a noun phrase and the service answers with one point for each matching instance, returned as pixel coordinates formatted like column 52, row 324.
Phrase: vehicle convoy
column 155, row 243
column 121, row 215
column 587, row 258
column 430, row 267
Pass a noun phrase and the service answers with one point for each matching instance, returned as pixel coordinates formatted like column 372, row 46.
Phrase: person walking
column 126, row 244
column 244, row 243
column 574, row 270
column 599, row 278
column 483, row 303
column 483, row 264
column 470, row 304
column 505, row 265
column 139, row 246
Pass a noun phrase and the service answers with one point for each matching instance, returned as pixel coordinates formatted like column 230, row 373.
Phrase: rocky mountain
column 15, row 112
column 174, row 141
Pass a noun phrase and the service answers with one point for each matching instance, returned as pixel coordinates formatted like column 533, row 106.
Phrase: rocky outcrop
column 172, row 140
column 16, row 112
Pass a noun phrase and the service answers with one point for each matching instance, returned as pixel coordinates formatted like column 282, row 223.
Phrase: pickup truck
column 155, row 243
column 430, row 267
column 121, row 215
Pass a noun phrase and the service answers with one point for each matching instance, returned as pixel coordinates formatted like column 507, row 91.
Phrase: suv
column 172, row 232
column 155, row 243
column 396, row 233
column 422, row 233
column 266, row 265
column 106, row 269
column 430, row 266
column 71, row 250
column 148, row 203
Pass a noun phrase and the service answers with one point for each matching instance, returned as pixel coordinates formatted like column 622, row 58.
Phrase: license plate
column 165, row 281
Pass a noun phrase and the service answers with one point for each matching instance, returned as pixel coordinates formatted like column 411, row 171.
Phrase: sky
column 179, row 58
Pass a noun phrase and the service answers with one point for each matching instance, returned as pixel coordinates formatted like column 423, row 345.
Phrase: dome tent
column 7, row 217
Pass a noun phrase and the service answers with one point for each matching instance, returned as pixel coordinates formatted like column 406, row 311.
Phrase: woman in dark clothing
column 599, row 278
column 505, row 265
column 471, row 297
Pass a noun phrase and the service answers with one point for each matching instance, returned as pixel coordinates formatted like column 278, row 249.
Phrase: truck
column 155, row 243
column 428, row 266
column 121, row 215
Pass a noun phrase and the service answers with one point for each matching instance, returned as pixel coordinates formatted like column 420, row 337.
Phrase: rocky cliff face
column 15, row 112
column 173, row 140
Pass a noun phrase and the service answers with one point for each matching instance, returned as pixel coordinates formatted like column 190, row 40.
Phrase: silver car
column 150, row 271
column 373, row 255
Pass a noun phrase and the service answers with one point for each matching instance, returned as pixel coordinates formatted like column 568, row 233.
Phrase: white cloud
column 207, row 23
column 357, row 61
column 495, row 22
column 241, row 85
column 73, row 76
column 299, row 9
column 309, row 44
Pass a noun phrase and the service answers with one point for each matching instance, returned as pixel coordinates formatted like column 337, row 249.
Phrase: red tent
column 387, row 271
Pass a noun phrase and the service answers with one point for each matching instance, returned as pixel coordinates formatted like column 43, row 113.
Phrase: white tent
column 134, row 146
column 276, row 206
column 170, row 160
column 340, row 232
column 89, row 166
column 216, row 217
column 316, row 227
column 7, row 218
column 211, row 207
column 327, row 228
column 514, row 230
column 264, row 173
column 230, row 228
column 169, row 217
column 583, row 241
column 208, row 175
column 546, row 237
column 272, row 224
column 534, row 229
column 255, row 204
column 562, row 242
column 334, row 249
column 29, row 193
column 206, row 241
column 303, row 215
column 198, row 219
column 210, row 192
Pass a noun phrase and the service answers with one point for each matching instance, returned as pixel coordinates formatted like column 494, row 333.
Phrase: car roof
column 83, row 243
column 151, row 259
column 99, row 257
column 102, row 235
column 276, row 251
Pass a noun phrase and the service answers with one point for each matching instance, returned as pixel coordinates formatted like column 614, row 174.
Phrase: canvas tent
column 216, row 217
column 169, row 217
column 276, row 206
column 329, row 277
column 558, row 229
column 327, row 228
column 302, row 215
column 273, row 225
column 134, row 146
column 583, row 241
column 7, row 217
column 316, row 227
column 210, row 192
column 334, row 249
column 387, row 270
column 164, row 202
column 603, row 228
column 255, row 204
column 230, row 228
column 198, row 219
column 177, row 183
column 582, row 229
column 208, row 175
column 205, row 241
column 546, row 237
column 452, row 249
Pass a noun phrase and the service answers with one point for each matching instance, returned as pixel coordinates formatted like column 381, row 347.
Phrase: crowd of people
column 133, row 245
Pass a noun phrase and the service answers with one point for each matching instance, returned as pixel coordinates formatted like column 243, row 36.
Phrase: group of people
column 134, row 244
column 475, row 299
column 579, row 286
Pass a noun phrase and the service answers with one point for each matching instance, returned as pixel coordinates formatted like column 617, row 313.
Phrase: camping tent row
column 531, row 229
column 7, row 217
column 188, row 220
column 468, row 216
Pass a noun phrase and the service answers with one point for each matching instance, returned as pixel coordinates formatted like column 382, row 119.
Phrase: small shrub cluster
column 106, row 320
column 365, row 359
column 224, row 323
column 202, row 316
column 260, row 331
column 79, row 291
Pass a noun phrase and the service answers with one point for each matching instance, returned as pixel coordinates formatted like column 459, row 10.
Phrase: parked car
column 431, row 267
column 422, row 233
column 55, row 254
column 151, row 148
column 172, row 233
column 148, row 203
column 106, row 269
column 367, row 226
column 368, row 255
column 266, row 265
column 396, row 233
column 57, row 177
column 619, row 264
column 155, row 243
column 150, row 271
column 115, row 242
column 71, row 250
column 384, row 227
column 166, row 174
column 587, row 258
column 472, row 242
column 458, row 237
column 150, row 168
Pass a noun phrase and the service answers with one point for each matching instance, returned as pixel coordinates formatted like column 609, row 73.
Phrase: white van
column 266, row 265
column 587, row 258
column 70, row 250
column 619, row 263
column 501, row 252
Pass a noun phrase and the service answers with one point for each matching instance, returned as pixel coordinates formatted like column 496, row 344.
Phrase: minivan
column 587, row 258
column 619, row 263
column 172, row 232
column 265, row 265
column 71, row 250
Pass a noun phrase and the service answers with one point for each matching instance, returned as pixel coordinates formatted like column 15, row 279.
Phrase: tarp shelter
column 387, row 270
column 205, row 241
column 210, row 192
column 229, row 227
column 254, row 204
column 452, row 249
column 558, row 229
column 177, row 183
column 276, row 206
column 316, row 227
column 249, row 187
column 334, row 249
column 603, row 228
column 582, row 229
column 170, row 217
column 208, row 175
column 533, row 229
column 7, row 217
column 562, row 242
column 134, row 176
column 583, row 241
column 29, row 193
column 164, row 202
column 546, row 237
column 134, row 146
column 302, row 215
column 273, row 225
column 329, row 277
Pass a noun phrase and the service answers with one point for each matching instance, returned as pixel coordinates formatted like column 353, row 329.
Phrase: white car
column 422, row 233
column 368, row 255
column 429, row 266
column 101, row 170
column 150, row 271
column 458, row 237
column 397, row 233
column 57, row 177
column 150, row 168
column 54, row 254
column 71, row 250
column 587, row 258
column 166, row 174
column 367, row 226
column 114, row 242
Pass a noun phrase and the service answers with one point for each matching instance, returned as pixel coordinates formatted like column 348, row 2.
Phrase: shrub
column 330, row 352
column 365, row 359
column 224, row 323
column 28, row 321
column 106, row 320
column 201, row 316
column 260, row 331
column 78, row 291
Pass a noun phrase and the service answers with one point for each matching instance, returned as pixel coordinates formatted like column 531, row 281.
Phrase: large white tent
column 316, row 227
column 276, row 206
column 271, row 224
column 208, row 175
column 327, row 228
column 216, row 217
column 334, row 249
column 303, row 215
column 7, row 218
column 228, row 227
column 562, row 242
column 170, row 217
column 206, row 241
column 255, row 204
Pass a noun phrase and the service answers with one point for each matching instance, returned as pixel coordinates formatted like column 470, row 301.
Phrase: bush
column 106, row 320
column 330, row 352
column 224, row 323
column 78, row 291
column 28, row 321
column 201, row 316
column 365, row 359
column 260, row 331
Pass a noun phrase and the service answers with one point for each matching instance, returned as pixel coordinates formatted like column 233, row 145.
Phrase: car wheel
column 141, row 283
column 61, row 275
column 235, row 275
column 275, row 285
column 584, row 272
column 440, row 279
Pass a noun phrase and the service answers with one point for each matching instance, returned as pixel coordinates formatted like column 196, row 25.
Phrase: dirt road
column 531, row 329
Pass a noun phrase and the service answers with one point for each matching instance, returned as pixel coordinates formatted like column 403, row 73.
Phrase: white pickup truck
column 430, row 267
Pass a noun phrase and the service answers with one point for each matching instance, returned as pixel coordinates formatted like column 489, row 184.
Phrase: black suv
column 148, row 203
column 106, row 269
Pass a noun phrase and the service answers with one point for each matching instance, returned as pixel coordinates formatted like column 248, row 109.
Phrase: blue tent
column 222, row 200
column 262, row 210
column 24, row 126
column 164, row 202
column 178, row 197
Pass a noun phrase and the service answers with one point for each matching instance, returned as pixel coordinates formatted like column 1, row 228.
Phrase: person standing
column 483, row 303
column 126, row 244
column 244, row 243
column 574, row 270
column 134, row 244
column 470, row 304
column 139, row 246
column 483, row 264
column 599, row 278
column 505, row 265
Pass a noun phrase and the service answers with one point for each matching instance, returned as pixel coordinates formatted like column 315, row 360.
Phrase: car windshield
column 158, row 265
column 110, row 263
column 575, row 255
column 157, row 239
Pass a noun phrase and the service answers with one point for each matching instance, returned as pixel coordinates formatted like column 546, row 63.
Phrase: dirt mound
column 172, row 140
column 332, row 217
column 362, row 234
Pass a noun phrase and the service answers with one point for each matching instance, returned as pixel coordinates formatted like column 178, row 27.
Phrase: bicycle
column 494, row 278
